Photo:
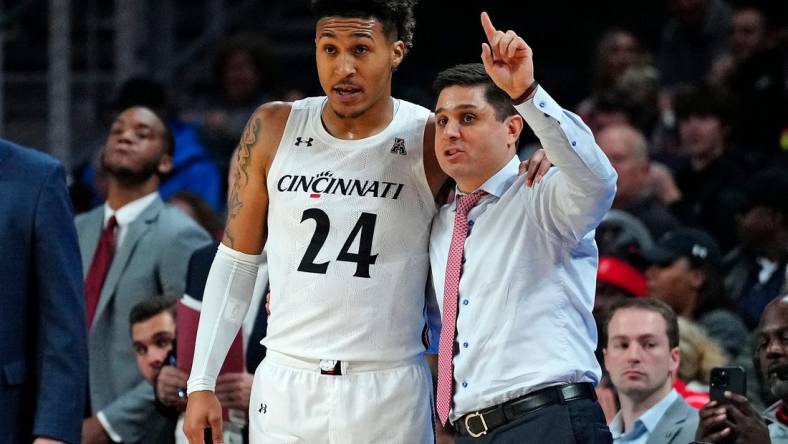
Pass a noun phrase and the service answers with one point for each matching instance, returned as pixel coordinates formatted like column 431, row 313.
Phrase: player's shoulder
column 273, row 112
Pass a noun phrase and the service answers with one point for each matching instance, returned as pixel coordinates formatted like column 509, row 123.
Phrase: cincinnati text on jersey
column 326, row 183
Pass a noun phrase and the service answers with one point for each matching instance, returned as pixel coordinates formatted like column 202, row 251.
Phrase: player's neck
column 120, row 194
column 372, row 121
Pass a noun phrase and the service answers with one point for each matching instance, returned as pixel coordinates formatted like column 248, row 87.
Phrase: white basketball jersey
column 348, row 233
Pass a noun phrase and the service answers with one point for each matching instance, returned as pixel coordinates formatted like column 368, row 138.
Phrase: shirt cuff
column 113, row 435
column 540, row 111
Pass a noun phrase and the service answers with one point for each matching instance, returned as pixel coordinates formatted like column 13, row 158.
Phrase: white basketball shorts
column 292, row 402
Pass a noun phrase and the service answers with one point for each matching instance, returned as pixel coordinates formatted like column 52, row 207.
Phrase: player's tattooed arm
column 247, row 201
column 240, row 175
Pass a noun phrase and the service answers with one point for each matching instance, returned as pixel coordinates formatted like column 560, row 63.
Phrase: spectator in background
column 623, row 75
column 611, row 107
column 737, row 421
column 685, row 273
column 152, row 324
column 43, row 363
column 709, row 178
column 627, row 150
column 699, row 354
column 624, row 236
column 244, row 74
column 756, row 269
column 132, row 246
column 695, row 36
column 193, row 169
column 616, row 281
column 642, row 355
column 199, row 211
column 754, row 71
column 618, row 51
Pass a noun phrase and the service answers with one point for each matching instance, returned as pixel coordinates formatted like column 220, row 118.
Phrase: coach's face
column 471, row 144
column 135, row 149
column 355, row 61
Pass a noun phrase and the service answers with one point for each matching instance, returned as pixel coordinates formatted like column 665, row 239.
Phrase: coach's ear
column 397, row 54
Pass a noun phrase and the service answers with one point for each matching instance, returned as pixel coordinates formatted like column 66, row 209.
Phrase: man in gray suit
column 133, row 246
column 641, row 355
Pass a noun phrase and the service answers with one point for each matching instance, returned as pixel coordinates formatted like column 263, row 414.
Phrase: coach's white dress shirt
column 527, row 289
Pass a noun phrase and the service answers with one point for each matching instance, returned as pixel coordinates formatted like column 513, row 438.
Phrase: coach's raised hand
column 507, row 59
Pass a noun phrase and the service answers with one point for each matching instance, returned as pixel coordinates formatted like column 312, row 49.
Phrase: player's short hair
column 396, row 16
column 654, row 305
column 473, row 74
column 152, row 307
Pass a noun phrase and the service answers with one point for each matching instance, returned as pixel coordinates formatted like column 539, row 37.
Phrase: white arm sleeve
column 228, row 292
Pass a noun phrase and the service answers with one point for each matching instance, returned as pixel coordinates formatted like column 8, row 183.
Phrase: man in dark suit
column 43, row 356
column 132, row 247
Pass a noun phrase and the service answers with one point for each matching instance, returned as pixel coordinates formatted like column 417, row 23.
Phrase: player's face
column 638, row 354
column 135, row 148
column 470, row 142
column 355, row 61
column 153, row 340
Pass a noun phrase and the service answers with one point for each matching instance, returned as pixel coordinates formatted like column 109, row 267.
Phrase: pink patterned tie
column 450, row 297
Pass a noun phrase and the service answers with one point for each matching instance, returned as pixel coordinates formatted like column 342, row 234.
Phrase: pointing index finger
column 489, row 29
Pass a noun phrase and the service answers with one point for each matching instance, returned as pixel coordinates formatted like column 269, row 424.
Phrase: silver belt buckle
column 468, row 428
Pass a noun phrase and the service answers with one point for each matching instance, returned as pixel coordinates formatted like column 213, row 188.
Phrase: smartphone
column 727, row 379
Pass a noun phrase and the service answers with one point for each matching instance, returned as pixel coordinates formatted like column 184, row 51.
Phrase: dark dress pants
column 576, row 422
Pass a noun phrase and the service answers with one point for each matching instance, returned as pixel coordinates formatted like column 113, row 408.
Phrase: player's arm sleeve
column 570, row 201
column 228, row 293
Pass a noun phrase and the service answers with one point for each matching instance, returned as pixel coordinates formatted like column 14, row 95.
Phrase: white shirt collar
column 500, row 181
column 129, row 212
column 648, row 419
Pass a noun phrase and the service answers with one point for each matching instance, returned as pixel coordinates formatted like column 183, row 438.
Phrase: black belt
column 479, row 423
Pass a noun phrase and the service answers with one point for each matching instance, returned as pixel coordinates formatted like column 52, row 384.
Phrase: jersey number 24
column 365, row 227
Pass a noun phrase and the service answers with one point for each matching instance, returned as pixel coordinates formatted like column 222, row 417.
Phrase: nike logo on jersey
column 300, row 140
column 325, row 183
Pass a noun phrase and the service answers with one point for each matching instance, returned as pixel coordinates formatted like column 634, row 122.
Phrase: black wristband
column 526, row 94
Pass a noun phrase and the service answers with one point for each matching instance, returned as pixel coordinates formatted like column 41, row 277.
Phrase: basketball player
column 346, row 186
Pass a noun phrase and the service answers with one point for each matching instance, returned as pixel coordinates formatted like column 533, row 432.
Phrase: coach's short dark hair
column 151, row 307
column 473, row 74
column 396, row 16
column 650, row 304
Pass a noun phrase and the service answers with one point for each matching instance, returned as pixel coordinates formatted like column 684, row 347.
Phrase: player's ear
column 397, row 54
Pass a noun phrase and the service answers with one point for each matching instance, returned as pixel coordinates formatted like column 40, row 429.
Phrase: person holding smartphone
column 642, row 355
column 734, row 420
